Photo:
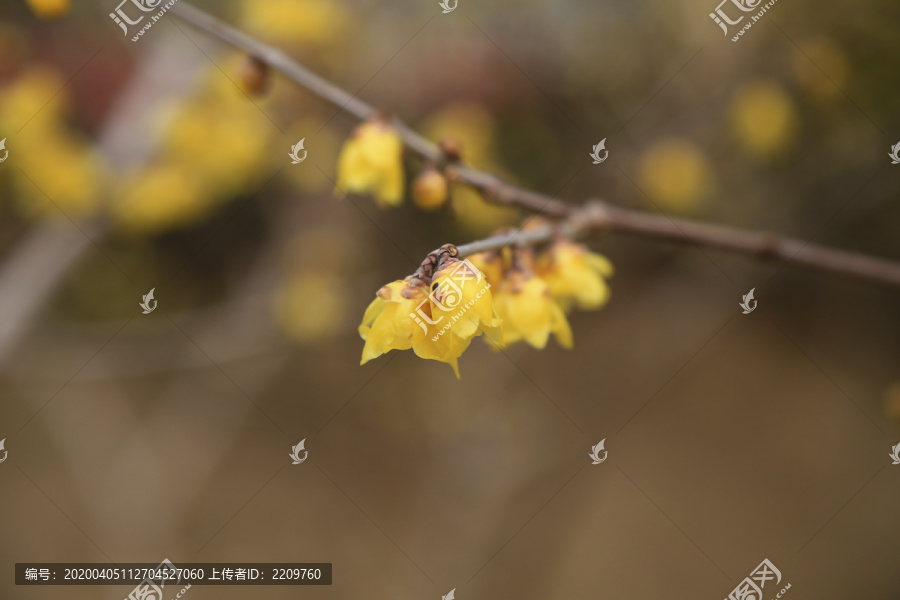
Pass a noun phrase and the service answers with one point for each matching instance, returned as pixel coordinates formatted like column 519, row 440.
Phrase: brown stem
column 595, row 216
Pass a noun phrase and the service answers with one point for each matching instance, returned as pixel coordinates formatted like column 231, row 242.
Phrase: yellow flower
column 529, row 313
column 49, row 9
column 437, row 324
column 161, row 197
column 295, row 21
column 675, row 174
column 461, row 300
column 25, row 101
column 491, row 264
column 222, row 137
column 763, row 118
column 445, row 348
column 472, row 129
column 59, row 172
column 371, row 163
column 399, row 319
column 575, row 275
column 387, row 324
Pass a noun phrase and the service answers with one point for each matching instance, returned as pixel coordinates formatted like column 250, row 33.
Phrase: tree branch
column 595, row 216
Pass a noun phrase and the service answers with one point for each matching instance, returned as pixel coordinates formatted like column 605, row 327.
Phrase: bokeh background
column 732, row 438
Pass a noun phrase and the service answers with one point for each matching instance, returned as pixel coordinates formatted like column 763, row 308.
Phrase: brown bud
column 451, row 148
column 255, row 76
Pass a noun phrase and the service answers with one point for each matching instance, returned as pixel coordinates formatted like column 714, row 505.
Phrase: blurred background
column 162, row 163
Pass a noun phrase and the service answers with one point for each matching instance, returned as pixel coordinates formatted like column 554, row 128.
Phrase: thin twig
column 595, row 216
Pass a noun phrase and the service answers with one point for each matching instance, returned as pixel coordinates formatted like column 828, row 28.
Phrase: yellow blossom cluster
column 511, row 295
column 59, row 172
column 371, row 163
column 213, row 147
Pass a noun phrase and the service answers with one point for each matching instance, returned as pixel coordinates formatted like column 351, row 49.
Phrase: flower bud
column 254, row 74
column 429, row 190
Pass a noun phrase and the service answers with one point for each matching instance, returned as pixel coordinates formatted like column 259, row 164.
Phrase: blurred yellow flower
column 371, row 162
column 58, row 172
column 763, row 118
column 675, row 174
column 36, row 98
column 49, row 9
column 471, row 126
column 472, row 129
column 214, row 147
column 311, row 306
column 429, row 189
column 575, row 275
column 161, row 197
column 295, row 21
column 528, row 312
column 491, row 265
column 223, row 137
column 476, row 215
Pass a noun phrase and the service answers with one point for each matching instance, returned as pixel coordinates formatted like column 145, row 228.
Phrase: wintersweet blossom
column 397, row 320
column 575, row 275
column 528, row 312
column 371, row 162
column 510, row 295
column 386, row 324
column 461, row 300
